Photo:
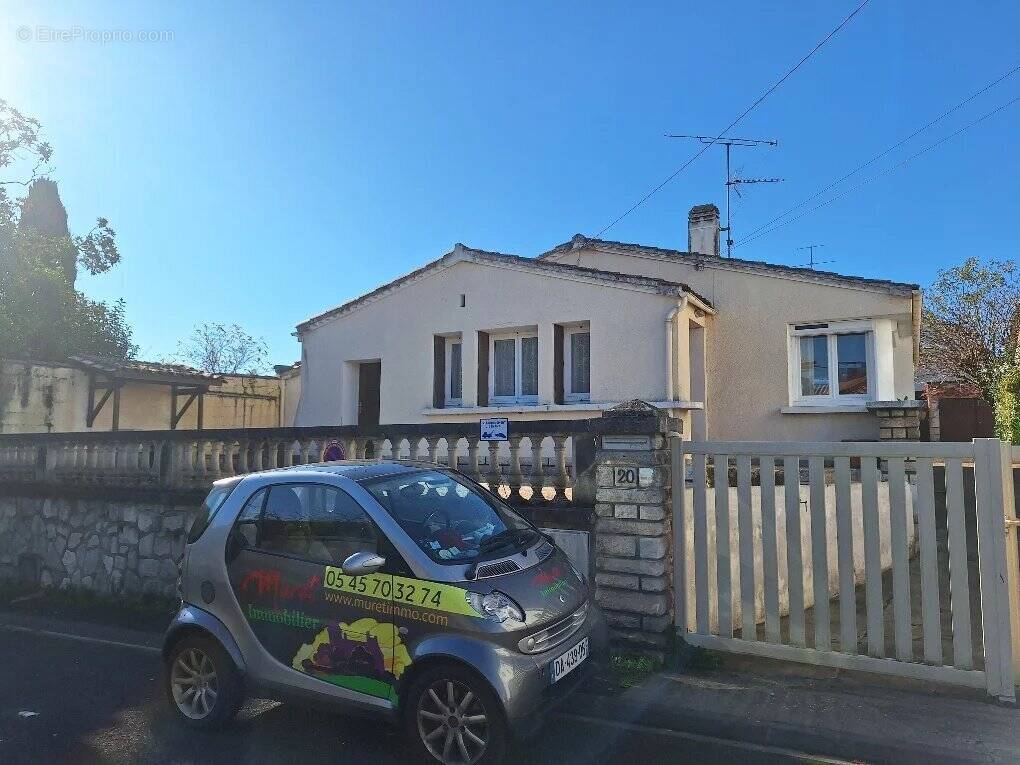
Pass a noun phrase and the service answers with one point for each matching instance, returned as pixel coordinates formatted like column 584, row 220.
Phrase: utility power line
column 884, row 153
column 735, row 122
column 888, row 170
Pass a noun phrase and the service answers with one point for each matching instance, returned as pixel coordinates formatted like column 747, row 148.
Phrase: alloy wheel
column 194, row 683
column 452, row 723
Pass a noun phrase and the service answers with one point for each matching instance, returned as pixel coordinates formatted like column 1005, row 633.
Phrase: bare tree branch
column 223, row 349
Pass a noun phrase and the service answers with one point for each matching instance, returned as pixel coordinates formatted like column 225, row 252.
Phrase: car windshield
column 452, row 521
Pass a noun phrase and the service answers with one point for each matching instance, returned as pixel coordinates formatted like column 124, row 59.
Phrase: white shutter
column 529, row 366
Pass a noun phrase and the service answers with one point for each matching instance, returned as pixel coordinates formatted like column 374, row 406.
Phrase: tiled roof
column 580, row 241
column 131, row 369
column 664, row 285
column 461, row 252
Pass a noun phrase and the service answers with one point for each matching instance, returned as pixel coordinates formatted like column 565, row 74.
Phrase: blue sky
column 271, row 160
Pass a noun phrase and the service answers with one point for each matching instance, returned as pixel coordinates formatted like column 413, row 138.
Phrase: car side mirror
column 362, row 563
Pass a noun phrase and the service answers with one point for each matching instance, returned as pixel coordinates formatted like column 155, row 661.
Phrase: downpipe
column 671, row 330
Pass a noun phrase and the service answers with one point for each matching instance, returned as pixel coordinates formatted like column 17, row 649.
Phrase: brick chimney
column 703, row 230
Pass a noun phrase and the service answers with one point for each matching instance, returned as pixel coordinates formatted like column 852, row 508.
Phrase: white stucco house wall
column 738, row 349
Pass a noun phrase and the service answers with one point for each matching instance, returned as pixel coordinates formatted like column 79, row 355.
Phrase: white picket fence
column 811, row 531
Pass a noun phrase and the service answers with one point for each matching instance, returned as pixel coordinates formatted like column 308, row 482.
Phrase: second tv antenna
column 731, row 182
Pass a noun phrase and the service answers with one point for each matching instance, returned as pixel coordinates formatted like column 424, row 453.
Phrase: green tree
column 1007, row 406
column 971, row 333
column 42, row 314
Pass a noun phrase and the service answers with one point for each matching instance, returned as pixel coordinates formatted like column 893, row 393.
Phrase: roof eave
column 462, row 253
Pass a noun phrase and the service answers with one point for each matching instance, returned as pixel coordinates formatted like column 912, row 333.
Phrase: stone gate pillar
column 633, row 532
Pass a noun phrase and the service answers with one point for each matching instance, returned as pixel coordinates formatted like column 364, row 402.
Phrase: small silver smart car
column 392, row 586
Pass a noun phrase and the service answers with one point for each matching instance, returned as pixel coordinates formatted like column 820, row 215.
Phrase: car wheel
column 453, row 717
column 202, row 683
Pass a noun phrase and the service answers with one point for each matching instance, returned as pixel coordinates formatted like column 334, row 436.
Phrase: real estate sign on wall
column 494, row 429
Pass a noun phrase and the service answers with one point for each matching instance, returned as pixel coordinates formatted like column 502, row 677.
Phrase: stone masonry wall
column 634, row 567
column 113, row 547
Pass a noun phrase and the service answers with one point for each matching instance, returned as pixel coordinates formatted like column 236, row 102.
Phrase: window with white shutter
column 513, row 375
column 833, row 363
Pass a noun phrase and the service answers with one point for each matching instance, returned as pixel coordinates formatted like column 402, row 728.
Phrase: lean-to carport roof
column 130, row 370
column 461, row 253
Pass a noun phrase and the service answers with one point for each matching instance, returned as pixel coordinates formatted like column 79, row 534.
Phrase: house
column 94, row 394
column 737, row 349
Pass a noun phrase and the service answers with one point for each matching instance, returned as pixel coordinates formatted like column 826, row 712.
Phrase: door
column 284, row 562
column 369, row 376
column 962, row 419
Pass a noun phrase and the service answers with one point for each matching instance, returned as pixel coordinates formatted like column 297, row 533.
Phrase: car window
column 209, row 508
column 247, row 520
column 451, row 520
column 315, row 522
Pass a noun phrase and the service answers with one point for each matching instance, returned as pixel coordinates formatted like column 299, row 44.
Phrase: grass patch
column 630, row 669
column 11, row 590
column 700, row 660
column 145, row 612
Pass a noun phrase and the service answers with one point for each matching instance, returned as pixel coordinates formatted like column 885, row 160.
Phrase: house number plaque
column 625, row 477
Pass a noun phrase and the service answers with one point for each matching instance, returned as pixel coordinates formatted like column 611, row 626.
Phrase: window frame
column 831, row 330
column 382, row 541
column 569, row 396
column 448, row 399
column 517, row 336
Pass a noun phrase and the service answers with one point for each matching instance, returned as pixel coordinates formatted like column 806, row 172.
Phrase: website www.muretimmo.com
column 390, row 609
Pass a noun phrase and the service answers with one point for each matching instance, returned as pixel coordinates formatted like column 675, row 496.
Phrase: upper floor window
column 832, row 363
column 513, row 369
column 577, row 363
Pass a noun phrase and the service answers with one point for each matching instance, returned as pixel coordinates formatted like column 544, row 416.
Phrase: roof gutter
column 699, row 303
column 915, row 324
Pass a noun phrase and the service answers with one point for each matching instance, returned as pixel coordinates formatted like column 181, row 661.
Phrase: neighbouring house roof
column 579, row 241
column 145, row 371
column 283, row 370
column 461, row 253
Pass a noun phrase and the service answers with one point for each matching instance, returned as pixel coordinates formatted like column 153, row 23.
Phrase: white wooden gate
column 780, row 545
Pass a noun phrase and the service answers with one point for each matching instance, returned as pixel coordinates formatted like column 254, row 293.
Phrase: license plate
column 565, row 663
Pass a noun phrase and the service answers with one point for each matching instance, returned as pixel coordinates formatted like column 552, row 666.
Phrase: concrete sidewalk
column 846, row 715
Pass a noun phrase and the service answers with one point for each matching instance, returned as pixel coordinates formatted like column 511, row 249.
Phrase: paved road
column 100, row 703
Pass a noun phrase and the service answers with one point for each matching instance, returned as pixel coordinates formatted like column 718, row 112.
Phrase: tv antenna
column 731, row 182
column 811, row 256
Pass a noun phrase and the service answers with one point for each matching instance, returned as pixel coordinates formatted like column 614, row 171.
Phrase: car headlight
column 496, row 606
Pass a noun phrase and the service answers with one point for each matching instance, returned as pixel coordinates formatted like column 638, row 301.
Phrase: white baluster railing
column 535, row 466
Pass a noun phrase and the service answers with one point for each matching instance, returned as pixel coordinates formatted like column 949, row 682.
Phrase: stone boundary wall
column 111, row 546
column 100, row 527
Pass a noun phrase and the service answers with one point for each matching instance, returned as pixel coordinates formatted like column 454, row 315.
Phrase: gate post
column 993, row 483
column 633, row 531
column 1012, row 553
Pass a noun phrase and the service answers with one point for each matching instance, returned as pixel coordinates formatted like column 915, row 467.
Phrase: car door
column 288, row 541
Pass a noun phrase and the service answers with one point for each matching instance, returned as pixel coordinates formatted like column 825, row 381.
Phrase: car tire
column 431, row 736
column 203, row 685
